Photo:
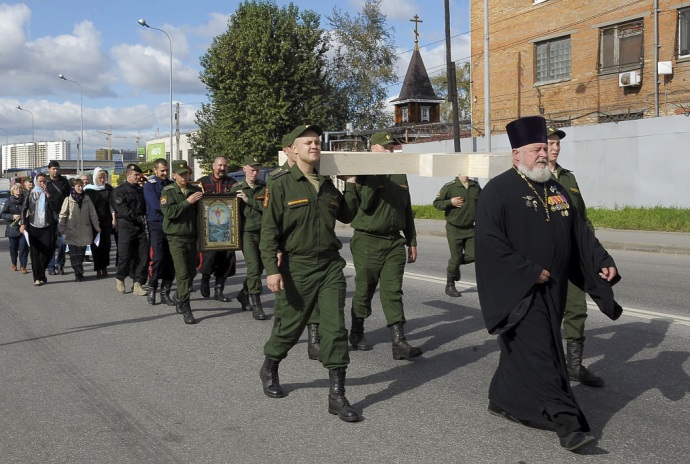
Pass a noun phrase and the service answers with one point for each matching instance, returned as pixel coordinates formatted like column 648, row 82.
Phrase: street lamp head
column 62, row 76
column 142, row 22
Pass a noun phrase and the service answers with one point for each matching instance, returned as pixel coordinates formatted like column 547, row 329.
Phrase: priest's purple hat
column 523, row 131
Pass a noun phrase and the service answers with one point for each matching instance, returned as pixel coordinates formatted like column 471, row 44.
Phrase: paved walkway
column 612, row 239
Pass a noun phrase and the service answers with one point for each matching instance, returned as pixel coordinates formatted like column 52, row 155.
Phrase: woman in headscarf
column 37, row 221
column 78, row 219
column 12, row 213
column 99, row 193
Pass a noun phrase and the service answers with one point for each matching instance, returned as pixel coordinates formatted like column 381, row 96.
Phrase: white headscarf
column 94, row 185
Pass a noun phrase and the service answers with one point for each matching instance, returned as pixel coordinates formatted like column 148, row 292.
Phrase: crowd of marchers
column 526, row 230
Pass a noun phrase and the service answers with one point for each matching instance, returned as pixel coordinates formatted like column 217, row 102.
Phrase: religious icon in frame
column 219, row 223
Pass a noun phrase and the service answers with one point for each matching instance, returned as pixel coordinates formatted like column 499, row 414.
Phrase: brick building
column 580, row 61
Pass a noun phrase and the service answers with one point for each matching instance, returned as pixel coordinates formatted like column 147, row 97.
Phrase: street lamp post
column 142, row 22
column 33, row 138
column 7, row 150
column 80, row 153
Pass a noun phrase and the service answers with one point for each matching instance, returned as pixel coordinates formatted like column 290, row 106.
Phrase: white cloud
column 30, row 68
column 147, row 70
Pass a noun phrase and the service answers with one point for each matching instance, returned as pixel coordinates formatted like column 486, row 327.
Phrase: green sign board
column 155, row 151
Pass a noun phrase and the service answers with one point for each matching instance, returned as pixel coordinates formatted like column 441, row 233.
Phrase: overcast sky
column 124, row 69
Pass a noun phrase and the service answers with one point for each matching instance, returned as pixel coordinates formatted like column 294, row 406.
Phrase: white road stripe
column 627, row 311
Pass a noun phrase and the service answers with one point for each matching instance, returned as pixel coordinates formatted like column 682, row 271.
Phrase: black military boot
column 357, row 339
column 269, row 377
column 257, row 308
column 186, row 310
column 218, row 291
column 337, row 403
column 313, row 341
column 165, row 293
column 151, row 294
column 205, row 288
column 243, row 299
column 402, row 349
column 450, row 288
column 576, row 371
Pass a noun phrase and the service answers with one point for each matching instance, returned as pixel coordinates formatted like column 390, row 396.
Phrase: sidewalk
column 612, row 239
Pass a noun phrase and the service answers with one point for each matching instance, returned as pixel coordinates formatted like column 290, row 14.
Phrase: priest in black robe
column 529, row 241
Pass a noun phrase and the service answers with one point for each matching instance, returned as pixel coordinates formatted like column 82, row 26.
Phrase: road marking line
column 627, row 311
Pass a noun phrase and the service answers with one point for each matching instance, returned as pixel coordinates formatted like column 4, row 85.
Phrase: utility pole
column 452, row 84
column 177, row 131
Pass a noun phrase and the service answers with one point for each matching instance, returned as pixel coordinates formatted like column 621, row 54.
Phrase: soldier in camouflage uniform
column 179, row 205
column 251, row 192
column 458, row 200
column 378, row 252
column 301, row 253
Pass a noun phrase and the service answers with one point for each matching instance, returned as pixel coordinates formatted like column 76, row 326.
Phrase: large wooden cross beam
column 480, row 165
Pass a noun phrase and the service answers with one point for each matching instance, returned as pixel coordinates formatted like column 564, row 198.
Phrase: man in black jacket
column 58, row 188
column 129, row 205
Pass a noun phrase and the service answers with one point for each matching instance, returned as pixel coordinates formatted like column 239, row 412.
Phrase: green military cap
column 252, row 161
column 288, row 140
column 180, row 166
column 134, row 167
column 382, row 138
column 553, row 130
column 301, row 130
column 29, row 179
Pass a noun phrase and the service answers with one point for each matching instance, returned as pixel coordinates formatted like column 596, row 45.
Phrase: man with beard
column 161, row 260
column 219, row 263
column 529, row 242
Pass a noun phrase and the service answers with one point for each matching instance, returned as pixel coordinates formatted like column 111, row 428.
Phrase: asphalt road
column 91, row 376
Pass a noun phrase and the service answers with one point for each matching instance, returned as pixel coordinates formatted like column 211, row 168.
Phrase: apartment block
column 580, row 62
column 33, row 155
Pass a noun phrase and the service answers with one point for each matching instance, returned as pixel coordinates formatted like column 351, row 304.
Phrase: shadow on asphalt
column 620, row 346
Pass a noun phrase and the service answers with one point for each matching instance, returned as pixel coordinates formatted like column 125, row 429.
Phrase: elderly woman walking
column 37, row 220
column 12, row 214
column 77, row 221
column 99, row 193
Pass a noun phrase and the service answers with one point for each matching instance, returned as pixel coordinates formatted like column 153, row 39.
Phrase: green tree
column 265, row 75
column 462, row 79
column 364, row 64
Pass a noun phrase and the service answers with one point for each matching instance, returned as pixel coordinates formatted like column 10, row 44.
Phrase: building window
column 621, row 47
column 553, row 59
column 405, row 114
column 683, row 33
column 621, row 116
column 425, row 114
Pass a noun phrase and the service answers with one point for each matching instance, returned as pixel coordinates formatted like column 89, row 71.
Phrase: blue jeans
column 58, row 259
column 19, row 249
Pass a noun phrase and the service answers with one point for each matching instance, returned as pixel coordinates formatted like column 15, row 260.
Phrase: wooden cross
column 481, row 165
column 416, row 22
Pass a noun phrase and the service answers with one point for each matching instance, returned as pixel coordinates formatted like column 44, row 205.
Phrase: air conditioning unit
column 629, row 79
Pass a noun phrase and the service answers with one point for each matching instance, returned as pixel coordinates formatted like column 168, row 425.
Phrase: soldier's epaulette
column 449, row 183
column 275, row 175
column 168, row 187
